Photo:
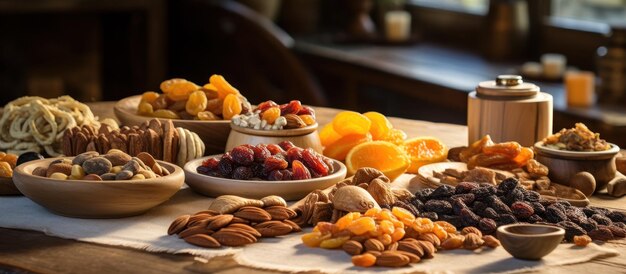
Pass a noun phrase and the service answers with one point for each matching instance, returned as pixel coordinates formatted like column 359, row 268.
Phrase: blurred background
column 355, row 54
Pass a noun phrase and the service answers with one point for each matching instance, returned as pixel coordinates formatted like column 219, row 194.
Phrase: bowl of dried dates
column 270, row 123
column 255, row 171
column 205, row 110
column 93, row 185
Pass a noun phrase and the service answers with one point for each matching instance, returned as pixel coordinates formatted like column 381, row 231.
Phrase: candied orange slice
column 380, row 125
column 339, row 149
column 424, row 150
column 223, row 87
column 395, row 136
column 350, row 122
column 384, row 156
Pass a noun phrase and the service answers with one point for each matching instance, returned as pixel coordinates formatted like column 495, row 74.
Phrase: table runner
column 148, row 232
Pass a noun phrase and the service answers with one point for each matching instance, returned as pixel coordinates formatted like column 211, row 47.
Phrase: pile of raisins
column 273, row 162
column 486, row 207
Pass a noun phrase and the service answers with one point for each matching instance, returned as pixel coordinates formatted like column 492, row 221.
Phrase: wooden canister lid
column 507, row 86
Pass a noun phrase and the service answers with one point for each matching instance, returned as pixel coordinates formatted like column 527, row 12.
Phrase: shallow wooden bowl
column 565, row 164
column 256, row 189
column 213, row 133
column 306, row 137
column 530, row 241
column 7, row 187
column 96, row 199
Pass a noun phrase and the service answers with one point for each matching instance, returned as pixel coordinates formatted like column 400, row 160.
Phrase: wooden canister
column 509, row 110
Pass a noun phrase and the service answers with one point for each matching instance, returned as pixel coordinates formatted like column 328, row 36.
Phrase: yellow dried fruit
column 231, row 107
column 196, row 103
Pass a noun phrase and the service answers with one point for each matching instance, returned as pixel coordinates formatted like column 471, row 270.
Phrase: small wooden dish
column 530, row 241
column 256, row 189
column 302, row 137
column 213, row 133
column 565, row 164
column 96, row 199
column 7, row 187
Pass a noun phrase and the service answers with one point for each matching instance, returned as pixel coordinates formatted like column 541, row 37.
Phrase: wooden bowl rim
column 581, row 155
column 177, row 171
column 276, row 133
column 505, row 230
column 119, row 107
column 336, row 173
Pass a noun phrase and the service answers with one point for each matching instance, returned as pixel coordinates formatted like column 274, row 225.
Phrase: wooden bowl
column 565, row 164
column 302, row 137
column 530, row 241
column 213, row 133
column 7, row 187
column 96, row 199
column 256, row 189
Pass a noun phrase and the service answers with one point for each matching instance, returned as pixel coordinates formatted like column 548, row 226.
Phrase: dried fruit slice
column 380, row 125
column 395, row 136
column 328, row 135
column 390, row 159
column 350, row 122
column 339, row 149
column 424, row 150
column 223, row 87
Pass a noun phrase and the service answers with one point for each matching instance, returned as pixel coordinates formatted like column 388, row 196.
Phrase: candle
column 398, row 25
column 553, row 65
column 579, row 88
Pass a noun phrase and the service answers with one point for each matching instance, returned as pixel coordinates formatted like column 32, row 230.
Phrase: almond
column 430, row 237
column 197, row 218
column 231, row 238
column 237, row 220
column 393, row 246
column 209, row 212
column 352, row 247
column 429, row 249
column 79, row 143
column 203, row 240
column 193, row 230
column 491, row 241
column 392, row 259
column 40, row 171
column 146, row 158
column 220, row 221
column 273, row 228
column 253, row 214
column 294, row 121
column 280, row 212
column 66, row 145
column 453, row 242
column 411, row 247
column 178, row 225
column 473, row 241
column 471, row 229
column 412, row 257
column 246, row 228
column 373, row 245
column 360, row 238
column 294, row 227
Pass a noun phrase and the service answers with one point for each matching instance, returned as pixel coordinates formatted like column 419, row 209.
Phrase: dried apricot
column 314, row 239
column 440, row 232
column 223, row 87
column 350, row 122
column 207, row 116
column 307, row 119
column 328, row 135
column 380, row 125
column 5, row 169
column 448, row 227
column 362, row 225
column 11, row 159
column 475, row 148
column 231, row 107
column 271, row 114
column 386, row 227
column 372, row 212
column 196, row 103
column 398, row 234
column 144, row 109
column 403, row 215
column 149, row 96
column 344, row 221
column 165, row 113
column 510, row 149
column 364, row 260
column 210, row 91
column 524, row 156
column 385, row 239
column 333, row 243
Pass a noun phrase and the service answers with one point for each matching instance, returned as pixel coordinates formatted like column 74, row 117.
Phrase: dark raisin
column 407, row 206
column 300, row 171
column 469, row 218
column 457, row 206
column 560, row 206
column 588, row 225
column 506, row 219
column 575, row 214
column 259, row 170
column 203, row 169
column 286, row 145
column 274, row 163
column 415, row 201
column 487, row 225
column 515, row 195
column 571, row 230
column 452, row 219
column 465, row 187
column 500, row 207
column 507, row 185
column 554, row 214
column 620, row 224
column 424, row 194
column 442, row 192
column 522, row 210
column 225, row 166
column 274, row 149
column 277, row 175
column 483, row 192
column 564, row 203
column 242, row 155
column 467, row 198
column 538, row 208
column 601, row 219
column 243, row 173
column 534, row 219
column 618, row 232
column 438, row 206
column 489, row 213
column 211, row 163
column 617, row 216
column 601, row 210
column 601, row 234
column 590, row 211
column 546, row 202
column 531, row 196
column 430, row 215
column 261, row 153
column 479, row 207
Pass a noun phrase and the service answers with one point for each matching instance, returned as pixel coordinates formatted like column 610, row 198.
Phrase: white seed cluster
column 253, row 120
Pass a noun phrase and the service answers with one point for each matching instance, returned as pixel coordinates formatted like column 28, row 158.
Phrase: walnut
column 366, row 175
column 381, row 192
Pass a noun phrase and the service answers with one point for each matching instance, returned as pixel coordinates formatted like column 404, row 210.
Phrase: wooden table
column 26, row 251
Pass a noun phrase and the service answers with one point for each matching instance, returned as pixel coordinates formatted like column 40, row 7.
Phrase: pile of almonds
column 235, row 221
column 159, row 138
column 114, row 165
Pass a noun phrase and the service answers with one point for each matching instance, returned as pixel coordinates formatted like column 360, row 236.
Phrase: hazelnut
column 59, row 167
column 117, row 157
column 97, row 165
column 80, row 158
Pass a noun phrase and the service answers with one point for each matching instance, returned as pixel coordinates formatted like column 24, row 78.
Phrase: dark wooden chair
column 252, row 53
